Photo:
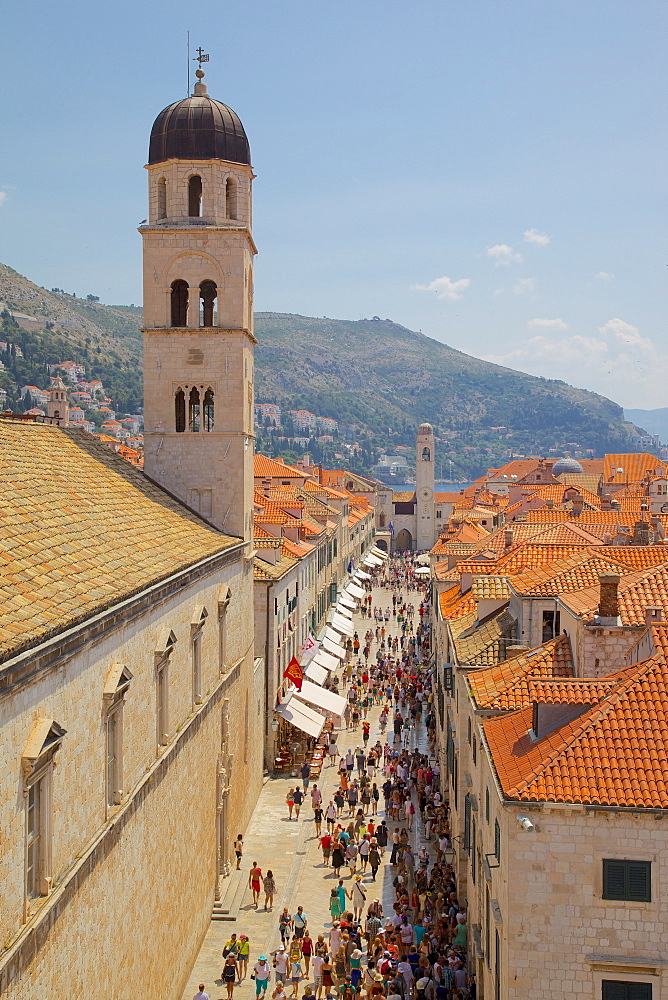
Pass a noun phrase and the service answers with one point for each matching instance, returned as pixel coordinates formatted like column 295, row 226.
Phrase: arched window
column 193, row 410
column 179, row 303
column 426, row 455
column 231, row 198
column 180, row 411
column 195, row 197
column 162, row 198
column 207, row 304
column 208, row 409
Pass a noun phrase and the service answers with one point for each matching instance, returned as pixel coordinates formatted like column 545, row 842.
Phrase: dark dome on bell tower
column 198, row 128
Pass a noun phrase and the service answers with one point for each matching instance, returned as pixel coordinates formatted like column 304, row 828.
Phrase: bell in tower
column 198, row 255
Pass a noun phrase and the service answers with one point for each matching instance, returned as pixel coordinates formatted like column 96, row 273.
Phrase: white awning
column 361, row 575
column 308, row 721
column 332, row 635
column 424, row 559
column 327, row 700
column 422, row 571
column 316, row 673
column 379, row 552
column 342, row 610
column 326, row 660
column 372, row 560
column 333, row 648
column 347, row 602
column 342, row 625
column 354, row 591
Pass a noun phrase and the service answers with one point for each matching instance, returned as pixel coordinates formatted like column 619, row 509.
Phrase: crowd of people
column 388, row 799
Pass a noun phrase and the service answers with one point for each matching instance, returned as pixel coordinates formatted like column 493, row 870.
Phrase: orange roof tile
column 505, row 686
column 271, row 468
column 612, row 754
column 634, row 465
column 637, row 591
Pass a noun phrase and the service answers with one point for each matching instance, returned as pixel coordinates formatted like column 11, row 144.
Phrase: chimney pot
column 653, row 615
column 608, row 606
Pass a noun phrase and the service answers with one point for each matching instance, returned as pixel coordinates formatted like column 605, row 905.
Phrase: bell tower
column 424, row 487
column 198, row 255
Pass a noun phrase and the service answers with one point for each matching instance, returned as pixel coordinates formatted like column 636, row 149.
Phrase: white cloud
column 603, row 276
column 523, row 286
column 497, row 291
column 538, row 239
column 548, row 324
column 616, row 360
column 445, row 288
column 3, row 197
column 626, row 333
column 501, row 253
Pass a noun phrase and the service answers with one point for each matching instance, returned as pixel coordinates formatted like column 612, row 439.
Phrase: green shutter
column 467, row 822
column 497, row 840
column 627, row 880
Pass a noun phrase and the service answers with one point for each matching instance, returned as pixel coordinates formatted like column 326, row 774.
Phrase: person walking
column 297, row 798
column 317, row 819
column 255, row 882
column 330, row 815
column 307, row 950
column 229, row 974
column 334, row 905
column 261, row 972
column 359, row 898
column 300, row 921
column 284, row 924
column 306, row 774
column 239, row 849
column 269, row 890
column 374, row 857
column 290, row 801
column 201, row 995
column 243, row 953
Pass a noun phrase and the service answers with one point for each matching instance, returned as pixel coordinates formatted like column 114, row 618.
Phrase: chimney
column 608, row 605
column 548, row 466
column 549, row 503
column 657, row 527
column 653, row 615
column 607, row 539
column 508, row 536
column 578, row 504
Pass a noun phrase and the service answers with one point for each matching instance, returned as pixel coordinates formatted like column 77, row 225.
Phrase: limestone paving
column 292, row 851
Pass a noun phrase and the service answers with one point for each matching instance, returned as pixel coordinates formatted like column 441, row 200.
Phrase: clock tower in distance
column 424, row 488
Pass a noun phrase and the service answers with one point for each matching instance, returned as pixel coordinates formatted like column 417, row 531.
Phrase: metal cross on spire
column 201, row 56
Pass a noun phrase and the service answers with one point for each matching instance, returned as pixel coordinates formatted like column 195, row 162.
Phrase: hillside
column 376, row 374
column 652, row 421
column 376, row 378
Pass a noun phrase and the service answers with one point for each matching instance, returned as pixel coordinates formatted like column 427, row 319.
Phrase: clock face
column 425, row 493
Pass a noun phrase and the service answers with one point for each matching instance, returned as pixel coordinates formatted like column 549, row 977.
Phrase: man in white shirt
column 201, row 995
column 318, row 962
column 281, row 965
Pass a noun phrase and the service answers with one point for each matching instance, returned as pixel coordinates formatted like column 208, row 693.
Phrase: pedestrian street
column 291, row 850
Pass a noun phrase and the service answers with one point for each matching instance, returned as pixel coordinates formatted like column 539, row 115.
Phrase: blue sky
column 491, row 172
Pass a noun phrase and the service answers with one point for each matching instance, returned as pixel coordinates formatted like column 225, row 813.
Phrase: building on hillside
column 58, row 407
column 131, row 698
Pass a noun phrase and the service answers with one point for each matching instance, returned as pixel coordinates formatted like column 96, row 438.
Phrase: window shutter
column 639, row 881
column 613, row 879
column 497, row 840
column 467, row 822
column 614, row 989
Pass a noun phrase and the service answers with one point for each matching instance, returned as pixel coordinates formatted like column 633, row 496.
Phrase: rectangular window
column 467, row 822
column 468, row 731
column 115, row 756
column 487, row 805
column 162, row 703
column 488, row 917
column 35, row 838
column 222, row 640
column 475, row 750
column 497, row 840
column 197, row 668
column 627, row 880
column 614, row 989
column 497, row 966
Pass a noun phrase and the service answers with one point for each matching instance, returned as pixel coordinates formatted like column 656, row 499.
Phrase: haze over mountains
column 375, row 377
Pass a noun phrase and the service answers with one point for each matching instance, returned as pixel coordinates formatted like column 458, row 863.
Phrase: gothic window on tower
column 426, row 455
column 231, row 198
column 180, row 411
column 193, row 410
column 208, row 409
column 208, row 312
column 179, row 302
column 195, row 197
column 162, row 198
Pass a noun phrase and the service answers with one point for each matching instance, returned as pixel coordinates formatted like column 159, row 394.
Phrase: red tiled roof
column 505, row 687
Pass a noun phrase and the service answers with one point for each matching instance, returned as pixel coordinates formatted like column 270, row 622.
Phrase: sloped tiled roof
column 505, row 686
column 485, row 644
column 490, row 587
column 574, row 573
column 403, row 496
column 635, row 466
column 637, row 591
column 613, row 754
column 80, row 530
column 270, row 468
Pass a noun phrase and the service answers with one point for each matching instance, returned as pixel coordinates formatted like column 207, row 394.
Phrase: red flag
column 294, row 673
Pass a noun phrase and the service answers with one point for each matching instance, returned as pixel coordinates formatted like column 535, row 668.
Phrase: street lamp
column 274, row 724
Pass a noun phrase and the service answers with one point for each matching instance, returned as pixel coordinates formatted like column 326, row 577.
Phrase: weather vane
column 200, row 58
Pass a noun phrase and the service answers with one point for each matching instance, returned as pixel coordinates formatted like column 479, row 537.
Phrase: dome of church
column 569, row 465
column 426, row 429
column 198, row 128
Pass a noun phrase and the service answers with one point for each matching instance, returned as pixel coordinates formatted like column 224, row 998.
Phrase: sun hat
column 378, row 978
column 262, row 958
column 281, row 947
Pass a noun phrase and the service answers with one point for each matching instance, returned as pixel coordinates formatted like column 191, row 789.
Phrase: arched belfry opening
column 162, row 198
column 194, row 410
column 208, row 309
column 230, row 198
column 208, row 410
column 195, row 197
column 179, row 302
column 180, row 411
column 426, row 455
